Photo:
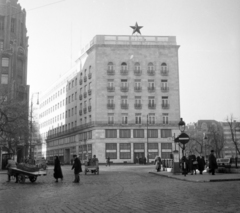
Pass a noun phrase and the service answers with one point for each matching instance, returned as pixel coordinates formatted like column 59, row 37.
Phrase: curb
column 196, row 181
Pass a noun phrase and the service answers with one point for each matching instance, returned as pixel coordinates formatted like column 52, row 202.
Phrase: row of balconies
column 138, row 72
column 85, row 110
column 138, row 106
column 137, row 89
column 85, row 78
column 85, row 94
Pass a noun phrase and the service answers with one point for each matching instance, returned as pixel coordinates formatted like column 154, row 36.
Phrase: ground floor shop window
column 125, row 150
column 111, row 150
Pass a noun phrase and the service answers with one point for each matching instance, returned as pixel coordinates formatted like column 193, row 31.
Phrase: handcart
column 91, row 167
column 31, row 173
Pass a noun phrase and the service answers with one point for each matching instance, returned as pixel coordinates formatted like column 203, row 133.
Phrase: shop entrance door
column 138, row 157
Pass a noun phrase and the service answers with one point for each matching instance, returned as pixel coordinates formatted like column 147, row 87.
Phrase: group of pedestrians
column 192, row 163
column 77, row 166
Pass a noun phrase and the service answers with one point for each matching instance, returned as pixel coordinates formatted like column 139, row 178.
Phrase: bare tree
column 234, row 126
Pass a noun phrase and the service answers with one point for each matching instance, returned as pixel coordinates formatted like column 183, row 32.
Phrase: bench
column 224, row 165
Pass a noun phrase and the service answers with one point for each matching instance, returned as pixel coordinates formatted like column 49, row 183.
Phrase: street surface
column 125, row 189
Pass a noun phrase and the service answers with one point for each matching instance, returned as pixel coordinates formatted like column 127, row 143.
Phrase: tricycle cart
column 91, row 167
column 31, row 174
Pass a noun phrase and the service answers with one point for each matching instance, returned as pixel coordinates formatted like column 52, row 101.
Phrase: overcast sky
column 208, row 32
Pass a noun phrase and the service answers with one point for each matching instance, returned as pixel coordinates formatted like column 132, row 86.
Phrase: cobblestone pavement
column 118, row 189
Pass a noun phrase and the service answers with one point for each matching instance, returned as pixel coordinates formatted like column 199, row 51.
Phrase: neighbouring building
column 13, row 53
column 229, row 147
column 121, row 99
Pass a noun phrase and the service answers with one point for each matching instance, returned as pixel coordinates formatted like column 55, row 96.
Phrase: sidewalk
column 205, row 177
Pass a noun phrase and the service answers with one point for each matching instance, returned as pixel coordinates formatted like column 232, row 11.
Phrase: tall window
column 124, row 118
column 138, row 118
column 110, row 66
column 111, row 150
column 151, row 101
column 89, row 102
column 138, row 101
column 4, row 79
column 1, row 45
column 124, row 66
column 151, row 118
column 150, row 66
column 13, row 23
column 137, row 66
column 5, row 62
column 165, row 101
column 1, row 22
column 163, row 67
column 110, row 100
column 151, row 84
column 110, row 118
column 110, row 83
column 124, row 83
column 164, row 83
column 125, row 150
column 165, row 118
column 137, row 84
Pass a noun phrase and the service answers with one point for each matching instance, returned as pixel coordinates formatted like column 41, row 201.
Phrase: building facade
column 121, row 99
column 13, row 52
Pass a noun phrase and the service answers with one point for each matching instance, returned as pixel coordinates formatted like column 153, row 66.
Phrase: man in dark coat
column 77, row 166
column 57, row 169
column 212, row 162
column 201, row 163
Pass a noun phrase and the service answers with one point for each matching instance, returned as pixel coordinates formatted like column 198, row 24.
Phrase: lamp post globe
column 181, row 125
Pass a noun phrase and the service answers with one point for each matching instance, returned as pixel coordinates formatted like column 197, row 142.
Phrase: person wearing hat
column 77, row 166
column 212, row 162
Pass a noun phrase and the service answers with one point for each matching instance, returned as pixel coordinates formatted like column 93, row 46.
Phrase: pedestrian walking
column 108, row 161
column 201, row 163
column 184, row 165
column 11, row 164
column 158, row 163
column 77, row 166
column 212, row 163
column 57, row 169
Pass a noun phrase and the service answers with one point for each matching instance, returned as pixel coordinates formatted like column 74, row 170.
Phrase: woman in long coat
column 201, row 163
column 57, row 169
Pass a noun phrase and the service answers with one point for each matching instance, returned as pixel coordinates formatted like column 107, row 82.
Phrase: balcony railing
column 137, row 72
column 151, row 106
column 164, row 89
column 89, row 92
column 138, row 106
column 80, row 81
column 85, row 110
column 89, row 108
column 138, row 89
column 165, row 106
column 111, row 106
column 89, row 75
column 151, row 89
column 85, row 94
column 151, row 72
column 85, row 78
column 164, row 72
column 124, row 89
column 80, row 112
column 110, row 89
column 80, row 97
column 124, row 72
column 124, row 106
column 111, row 72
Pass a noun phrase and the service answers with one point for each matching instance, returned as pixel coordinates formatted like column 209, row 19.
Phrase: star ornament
column 136, row 28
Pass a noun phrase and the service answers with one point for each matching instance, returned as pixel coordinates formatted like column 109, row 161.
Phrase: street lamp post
column 147, row 141
column 31, row 126
column 236, row 157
